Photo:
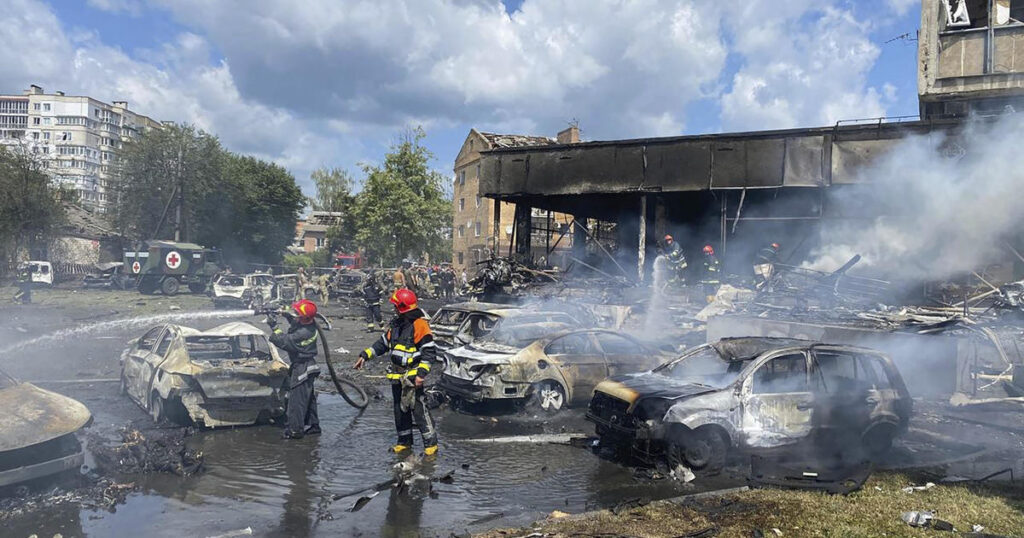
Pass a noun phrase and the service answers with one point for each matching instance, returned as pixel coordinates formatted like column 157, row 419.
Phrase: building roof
column 85, row 224
column 514, row 140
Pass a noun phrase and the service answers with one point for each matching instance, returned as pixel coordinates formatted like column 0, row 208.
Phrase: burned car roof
column 746, row 348
column 234, row 328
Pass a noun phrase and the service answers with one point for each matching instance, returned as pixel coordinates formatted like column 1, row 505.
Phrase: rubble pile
column 155, row 451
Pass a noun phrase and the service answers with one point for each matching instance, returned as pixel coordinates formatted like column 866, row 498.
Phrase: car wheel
column 124, row 384
column 547, row 397
column 156, row 408
column 170, row 286
column 701, row 450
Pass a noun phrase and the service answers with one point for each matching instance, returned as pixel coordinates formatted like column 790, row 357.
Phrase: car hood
column 33, row 415
column 634, row 387
column 228, row 291
column 476, row 352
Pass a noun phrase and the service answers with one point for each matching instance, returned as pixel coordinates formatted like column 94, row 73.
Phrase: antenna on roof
column 909, row 37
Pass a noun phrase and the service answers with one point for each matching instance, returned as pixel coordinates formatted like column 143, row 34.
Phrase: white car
column 227, row 376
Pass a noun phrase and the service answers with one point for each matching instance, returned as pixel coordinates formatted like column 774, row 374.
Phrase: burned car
column 110, row 276
column 460, row 324
column 38, row 428
column 256, row 290
column 227, row 376
column 547, row 366
column 753, row 393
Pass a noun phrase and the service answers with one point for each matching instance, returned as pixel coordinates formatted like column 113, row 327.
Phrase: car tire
column 156, row 408
column 170, row 286
column 546, row 397
column 124, row 384
column 702, row 450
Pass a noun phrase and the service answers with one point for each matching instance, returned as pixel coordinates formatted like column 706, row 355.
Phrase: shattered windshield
column 447, row 316
column 703, row 366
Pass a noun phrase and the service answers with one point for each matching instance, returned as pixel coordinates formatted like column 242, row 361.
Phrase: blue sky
column 334, row 82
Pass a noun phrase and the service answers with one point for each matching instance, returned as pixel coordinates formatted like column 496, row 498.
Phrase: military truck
column 165, row 266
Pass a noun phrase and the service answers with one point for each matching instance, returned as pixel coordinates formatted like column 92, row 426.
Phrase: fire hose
column 344, row 386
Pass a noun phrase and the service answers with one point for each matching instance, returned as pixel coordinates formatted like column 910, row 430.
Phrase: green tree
column 159, row 169
column 31, row 207
column 403, row 210
column 334, row 193
column 242, row 205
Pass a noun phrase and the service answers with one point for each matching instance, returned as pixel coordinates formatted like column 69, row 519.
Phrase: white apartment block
column 77, row 137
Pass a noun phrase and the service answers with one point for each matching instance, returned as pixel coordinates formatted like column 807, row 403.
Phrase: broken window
column 614, row 344
column 843, row 372
column 782, row 374
column 148, row 340
column 1009, row 12
column 965, row 14
column 573, row 344
column 165, row 344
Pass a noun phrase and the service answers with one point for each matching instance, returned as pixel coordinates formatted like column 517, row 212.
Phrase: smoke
column 952, row 200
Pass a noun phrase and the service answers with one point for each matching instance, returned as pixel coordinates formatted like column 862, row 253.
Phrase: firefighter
column 411, row 343
column 300, row 342
column 24, row 293
column 764, row 264
column 676, row 260
column 711, row 278
column 371, row 294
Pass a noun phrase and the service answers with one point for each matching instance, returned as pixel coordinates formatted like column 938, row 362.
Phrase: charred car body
column 227, row 376
column 753, row 393
column 545, row 365
column 256, row 290
column 110, row 276
column 38, row 428
column 460, row 324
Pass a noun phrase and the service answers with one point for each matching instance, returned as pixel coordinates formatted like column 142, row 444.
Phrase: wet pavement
column 253, row 479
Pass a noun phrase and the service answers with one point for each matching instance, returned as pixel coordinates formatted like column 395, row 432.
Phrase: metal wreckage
column 809, row 375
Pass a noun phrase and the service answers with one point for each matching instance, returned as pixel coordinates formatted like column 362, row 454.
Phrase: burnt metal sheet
column 803, row 165
column 851, row 157
column 680, row 166
column 748, row 163
column 33, row 415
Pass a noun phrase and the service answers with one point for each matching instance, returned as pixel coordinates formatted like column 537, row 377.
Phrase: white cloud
column 798, row 73
column 901, row 7
column 322, row 84
column 132, row 7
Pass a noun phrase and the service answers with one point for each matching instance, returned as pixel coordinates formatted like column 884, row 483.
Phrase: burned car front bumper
column 219, row 398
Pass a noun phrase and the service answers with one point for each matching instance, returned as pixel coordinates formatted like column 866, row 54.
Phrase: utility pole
column 180, row 227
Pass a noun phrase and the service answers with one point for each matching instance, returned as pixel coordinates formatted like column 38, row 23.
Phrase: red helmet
column 305, row 310
column 404, row 300
column 708, row 249
column 668, row 238
column 775, row 246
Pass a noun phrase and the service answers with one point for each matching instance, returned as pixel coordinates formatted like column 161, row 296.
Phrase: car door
column 154, row 360
column 776, row 400
column 624, row 355
column 858, row 387
column 580, row 361
column 137, row 361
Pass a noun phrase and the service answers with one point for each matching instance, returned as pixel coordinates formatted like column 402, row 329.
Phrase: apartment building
column 76, row 136
column 473, row 221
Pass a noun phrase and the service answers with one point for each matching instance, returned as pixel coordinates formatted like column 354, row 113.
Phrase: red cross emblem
column 173, row 260
column 136, row 267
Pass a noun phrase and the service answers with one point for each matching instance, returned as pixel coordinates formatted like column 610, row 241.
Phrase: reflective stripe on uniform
column 309, row 340
column 277, row 330
column 311, row 368
column 369, row 352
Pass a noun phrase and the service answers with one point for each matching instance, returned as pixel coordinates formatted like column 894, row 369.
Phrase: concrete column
column 579, row 238
column 642, row 246
column 496, row 246
column 524, row 230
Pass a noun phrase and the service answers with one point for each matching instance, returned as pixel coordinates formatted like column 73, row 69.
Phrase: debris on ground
column 152, row 451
